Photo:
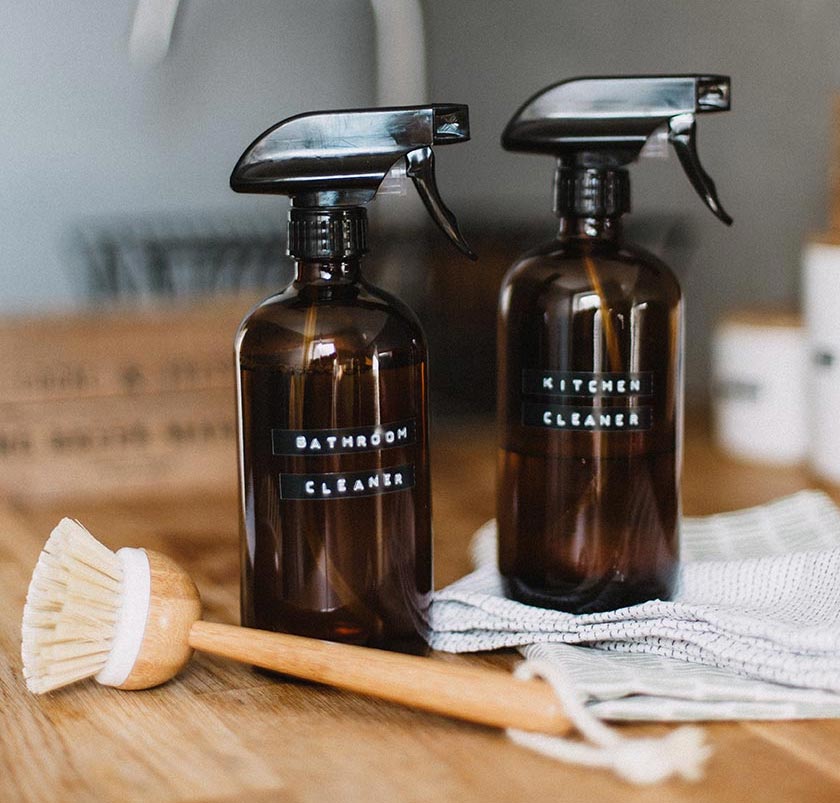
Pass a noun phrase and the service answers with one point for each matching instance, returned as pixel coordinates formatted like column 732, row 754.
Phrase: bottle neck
column 328, row 241
column 587, row 227
column 343, row 271
column 590, row 201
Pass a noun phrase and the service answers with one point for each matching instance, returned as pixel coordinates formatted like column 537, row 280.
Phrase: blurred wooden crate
column 126, row 401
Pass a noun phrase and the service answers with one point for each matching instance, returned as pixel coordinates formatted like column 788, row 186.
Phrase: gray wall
column 768, row 156
column 87, row 134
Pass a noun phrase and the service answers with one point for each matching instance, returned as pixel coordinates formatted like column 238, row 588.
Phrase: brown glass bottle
column 336, row 515
column 590, row 395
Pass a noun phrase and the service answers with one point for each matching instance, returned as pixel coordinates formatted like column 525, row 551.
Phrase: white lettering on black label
column 586, row 401
column 592, row 419
column 288, row 442
column 347, row 485
column 586, row 384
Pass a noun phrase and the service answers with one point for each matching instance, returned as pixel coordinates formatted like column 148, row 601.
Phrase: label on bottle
column 592, row 419
column 344, row 485
column 288, row 442
column 562, row 389
column 586, row 383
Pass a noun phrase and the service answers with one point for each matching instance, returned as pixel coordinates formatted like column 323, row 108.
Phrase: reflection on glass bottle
column 590, row 357
column 589, row 404
column 335, row 449
column 332, row 388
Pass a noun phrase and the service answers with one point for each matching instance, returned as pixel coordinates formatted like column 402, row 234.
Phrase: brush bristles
column 71, row 609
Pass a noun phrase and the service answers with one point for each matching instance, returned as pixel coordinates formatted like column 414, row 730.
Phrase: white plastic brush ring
column 131, row 617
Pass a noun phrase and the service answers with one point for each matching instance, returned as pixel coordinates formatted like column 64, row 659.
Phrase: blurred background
column 122, row 123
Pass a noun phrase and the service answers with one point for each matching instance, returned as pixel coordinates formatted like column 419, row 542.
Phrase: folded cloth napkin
column 753, row 630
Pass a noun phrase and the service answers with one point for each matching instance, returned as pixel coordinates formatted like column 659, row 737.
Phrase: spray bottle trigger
column 421, row 168
column 682, row 133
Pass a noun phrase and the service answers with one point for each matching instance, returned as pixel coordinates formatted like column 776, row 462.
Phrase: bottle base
column 407, row 646
column 338, row 626
column 591, row 596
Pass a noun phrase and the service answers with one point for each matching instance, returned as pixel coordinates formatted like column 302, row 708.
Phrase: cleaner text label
column 593, row 419
column 587, row 401
column 345, row 485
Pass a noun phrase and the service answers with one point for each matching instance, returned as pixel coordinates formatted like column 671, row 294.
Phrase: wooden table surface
column 221, row 732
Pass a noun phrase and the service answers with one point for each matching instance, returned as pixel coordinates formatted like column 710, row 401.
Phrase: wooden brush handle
column 486, row 696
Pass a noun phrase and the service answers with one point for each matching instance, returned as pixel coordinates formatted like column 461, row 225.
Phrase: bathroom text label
column 586, row 383
column 342, row 441
column 591, row 419
column 347, row 485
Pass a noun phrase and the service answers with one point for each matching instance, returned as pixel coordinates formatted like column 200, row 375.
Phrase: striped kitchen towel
column 753, row 630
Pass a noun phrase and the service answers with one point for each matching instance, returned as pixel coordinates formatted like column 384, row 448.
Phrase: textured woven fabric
column 753, row 630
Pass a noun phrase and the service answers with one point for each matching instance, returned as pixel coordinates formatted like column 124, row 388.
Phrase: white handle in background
column 400, row 45
column 400, row 52
column 151, row 31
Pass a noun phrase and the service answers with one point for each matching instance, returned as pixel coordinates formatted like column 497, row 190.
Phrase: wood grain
column 485, row 696
column 221, row 732
column 174, row 605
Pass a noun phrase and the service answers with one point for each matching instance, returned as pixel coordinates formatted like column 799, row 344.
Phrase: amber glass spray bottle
column 590, row 355
column 332, row 387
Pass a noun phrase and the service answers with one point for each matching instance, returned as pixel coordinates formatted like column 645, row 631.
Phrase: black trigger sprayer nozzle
column 602, row 123
column 331, row 164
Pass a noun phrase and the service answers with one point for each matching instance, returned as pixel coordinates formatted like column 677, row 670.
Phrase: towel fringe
column 645, row 760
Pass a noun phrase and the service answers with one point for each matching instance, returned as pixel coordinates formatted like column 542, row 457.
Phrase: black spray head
column 604, row 122
column 337, row 159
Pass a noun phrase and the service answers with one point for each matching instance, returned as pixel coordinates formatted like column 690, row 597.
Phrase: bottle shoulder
column 360, row 297
column 348, row 321
column 577, row 265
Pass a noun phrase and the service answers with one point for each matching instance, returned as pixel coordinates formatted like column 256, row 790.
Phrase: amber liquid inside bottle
column 590, row 396
column 336, row 518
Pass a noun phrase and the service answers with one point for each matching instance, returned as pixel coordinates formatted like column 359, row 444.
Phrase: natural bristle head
column 71, row 609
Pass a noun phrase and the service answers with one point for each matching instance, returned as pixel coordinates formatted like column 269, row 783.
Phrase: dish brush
column 131, row 619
